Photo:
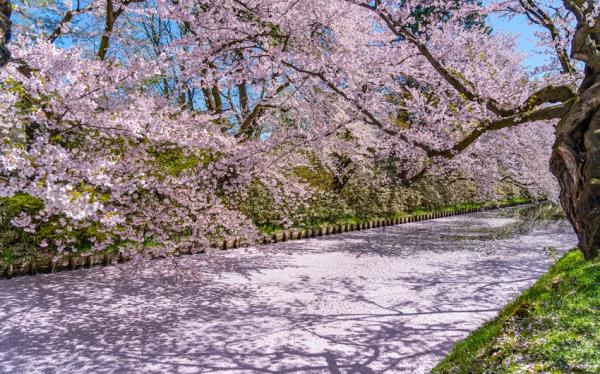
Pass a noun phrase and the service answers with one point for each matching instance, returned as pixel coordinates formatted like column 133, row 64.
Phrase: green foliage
column 173, row 161
column 357, row 196
column 10, row 207
column 551, row 328
column 261, row 206
column 17, row 245
column 346, row 196
column 317, row 177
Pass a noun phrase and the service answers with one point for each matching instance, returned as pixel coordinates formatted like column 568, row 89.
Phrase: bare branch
column 58, row 31
column 537, row 15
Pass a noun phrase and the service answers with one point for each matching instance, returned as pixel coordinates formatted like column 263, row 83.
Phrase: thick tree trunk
column 5, row 24
column 576, row 164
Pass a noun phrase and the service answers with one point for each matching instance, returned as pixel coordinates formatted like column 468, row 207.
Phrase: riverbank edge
column 76, row 261
column 551, row 327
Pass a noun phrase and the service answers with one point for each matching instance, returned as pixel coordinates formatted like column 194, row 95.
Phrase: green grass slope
column 554, row 327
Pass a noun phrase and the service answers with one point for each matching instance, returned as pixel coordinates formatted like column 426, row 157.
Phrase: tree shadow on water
column 376, row 301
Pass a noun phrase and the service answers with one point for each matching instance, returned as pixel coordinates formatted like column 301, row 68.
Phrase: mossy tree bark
column 576, row 163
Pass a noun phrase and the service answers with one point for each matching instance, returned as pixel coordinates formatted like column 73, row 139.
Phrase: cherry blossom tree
column 142, row 122
column 569, row 93
column 5, row 11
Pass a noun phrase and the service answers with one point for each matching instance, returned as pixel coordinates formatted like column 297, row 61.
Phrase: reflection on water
column 519, row 221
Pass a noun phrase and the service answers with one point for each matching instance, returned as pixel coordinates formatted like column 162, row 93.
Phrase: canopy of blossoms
column 143, row 121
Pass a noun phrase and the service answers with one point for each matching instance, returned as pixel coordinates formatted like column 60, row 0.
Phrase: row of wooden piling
column 76, row 261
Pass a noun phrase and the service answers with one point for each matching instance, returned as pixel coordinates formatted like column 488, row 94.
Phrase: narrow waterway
column 388, row 300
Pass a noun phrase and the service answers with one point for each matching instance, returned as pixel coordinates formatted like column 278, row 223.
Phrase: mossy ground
column 273, row 229
column 553, row 327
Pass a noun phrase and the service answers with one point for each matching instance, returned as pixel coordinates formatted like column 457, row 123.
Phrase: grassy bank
column 25, row 258
column 349, row 220
column 554, row 327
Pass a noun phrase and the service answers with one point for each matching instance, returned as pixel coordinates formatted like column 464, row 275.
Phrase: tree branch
column 542, row 114
column 5, row 26
column 537, row 15
column 58, row 31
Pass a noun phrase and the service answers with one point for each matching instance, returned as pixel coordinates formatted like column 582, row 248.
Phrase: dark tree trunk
column 576, row 164
column 5, row 25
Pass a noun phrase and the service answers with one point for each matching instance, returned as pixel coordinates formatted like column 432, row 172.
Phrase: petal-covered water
column 386, row 300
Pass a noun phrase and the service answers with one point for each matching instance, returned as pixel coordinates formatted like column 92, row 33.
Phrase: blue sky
column 526, row 39
column 521, row 27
